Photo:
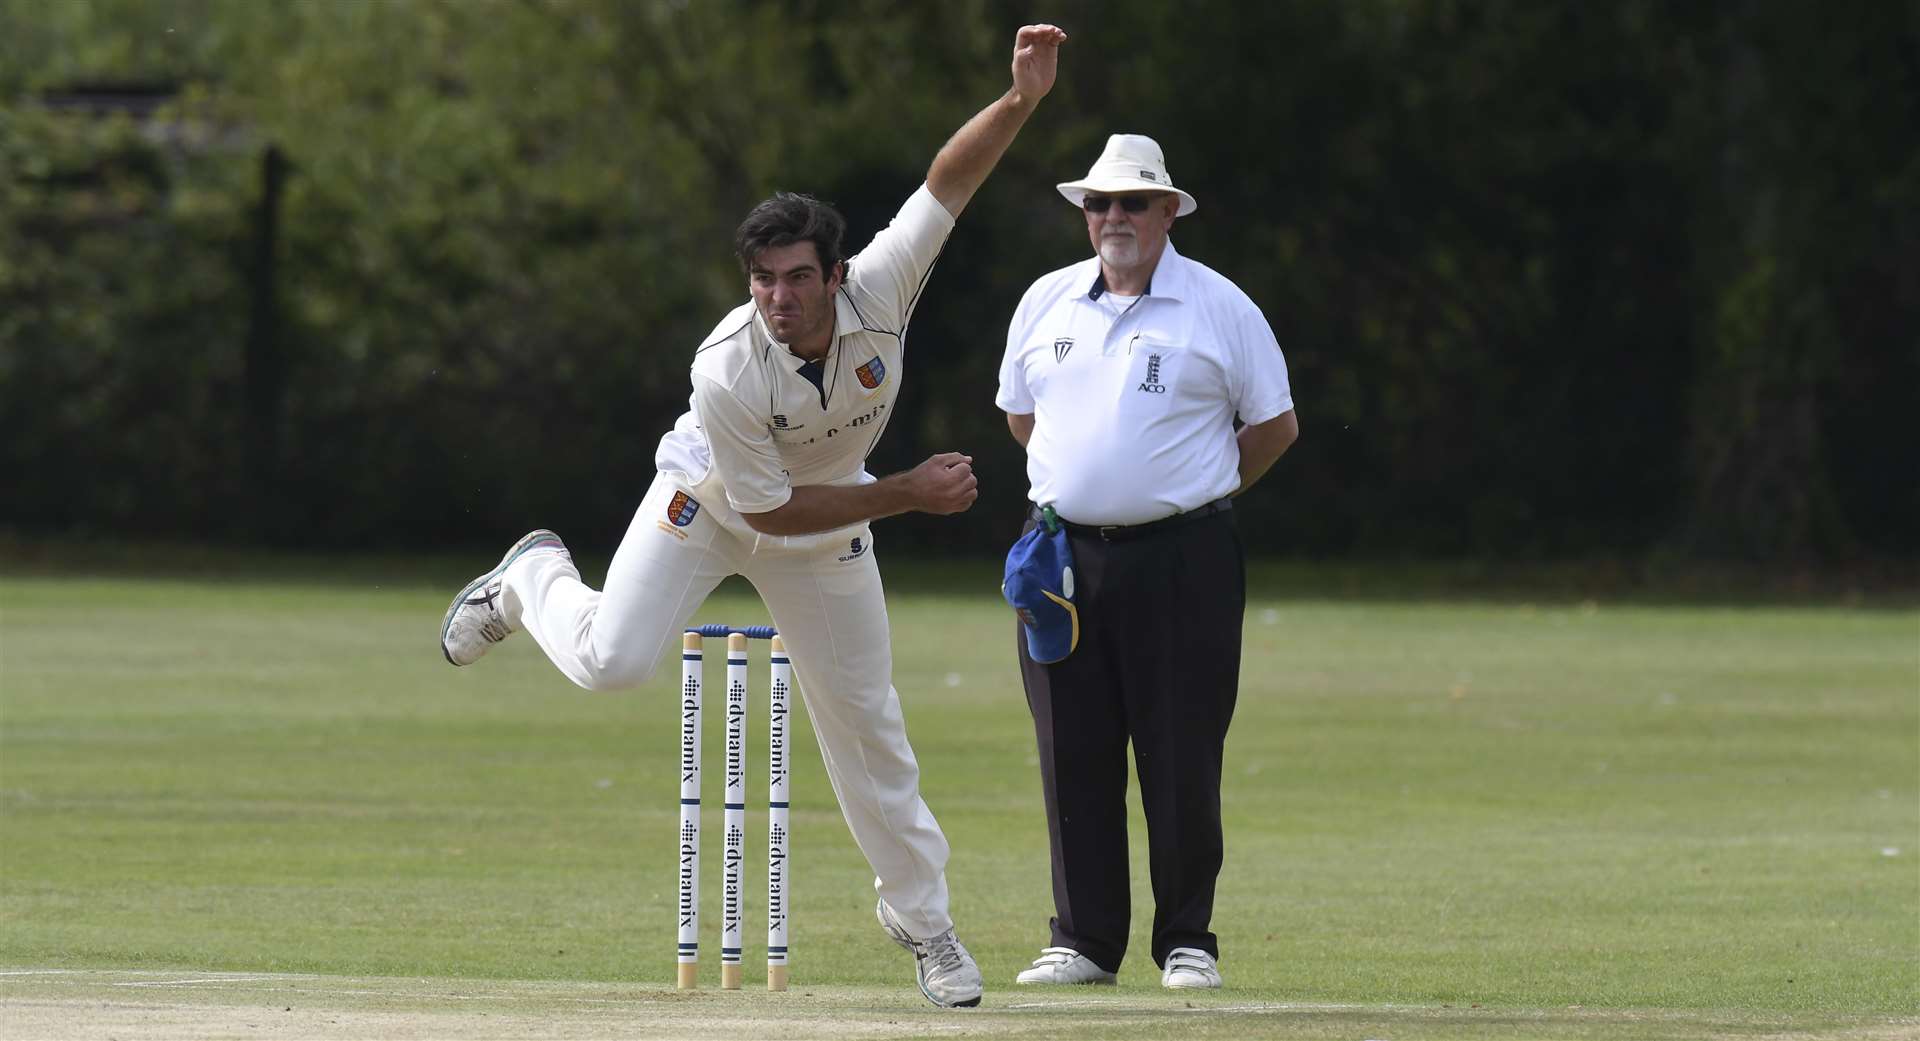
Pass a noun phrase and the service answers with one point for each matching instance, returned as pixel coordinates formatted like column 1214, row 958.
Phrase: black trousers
column 1158, row 666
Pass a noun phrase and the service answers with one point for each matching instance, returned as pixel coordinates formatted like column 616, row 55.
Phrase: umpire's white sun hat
column 1131, row 163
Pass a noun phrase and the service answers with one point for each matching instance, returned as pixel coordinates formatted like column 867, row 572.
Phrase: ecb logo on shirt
column 682, row 509
column 872, row 374
column 1153, row 384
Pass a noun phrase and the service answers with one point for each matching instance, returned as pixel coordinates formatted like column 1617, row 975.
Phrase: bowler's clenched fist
column 944, row 484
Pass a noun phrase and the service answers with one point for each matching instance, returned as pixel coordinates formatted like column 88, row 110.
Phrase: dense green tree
column 1552, row 278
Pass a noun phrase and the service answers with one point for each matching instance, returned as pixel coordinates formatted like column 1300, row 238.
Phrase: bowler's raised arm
column 964, row 162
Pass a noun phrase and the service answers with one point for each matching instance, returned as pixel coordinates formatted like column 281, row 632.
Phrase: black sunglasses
column 1129, row 203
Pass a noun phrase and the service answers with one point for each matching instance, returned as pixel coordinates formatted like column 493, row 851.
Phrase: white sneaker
column 475, row 623
column 1064, row 965
column 1190, row 967
column 947, row 974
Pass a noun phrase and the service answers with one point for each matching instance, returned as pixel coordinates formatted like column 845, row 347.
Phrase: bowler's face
column 795, row 296
column 1129, row 240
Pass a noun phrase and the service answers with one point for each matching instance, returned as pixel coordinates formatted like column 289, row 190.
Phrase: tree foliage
column 1552, row 279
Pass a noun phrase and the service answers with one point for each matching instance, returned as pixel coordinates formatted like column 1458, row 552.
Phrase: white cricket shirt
column 1133, row 407
column 762, row 425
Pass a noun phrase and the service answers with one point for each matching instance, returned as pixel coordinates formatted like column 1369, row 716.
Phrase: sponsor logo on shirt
column 872, row 374
column 869, row 416
column 779, row 421
column 855, row 549
column 1152, row 385
column 1061, row 347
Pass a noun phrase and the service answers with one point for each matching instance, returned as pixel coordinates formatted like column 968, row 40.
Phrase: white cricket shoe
column 1064, row 965
column 475, row 622
column 947, row 974
column 1190, row 967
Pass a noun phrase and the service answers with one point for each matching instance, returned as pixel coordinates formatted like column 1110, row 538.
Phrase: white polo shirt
column 1133, row 405
column 761, row 424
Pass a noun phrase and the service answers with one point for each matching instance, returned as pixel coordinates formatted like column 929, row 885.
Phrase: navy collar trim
column 1100, row 286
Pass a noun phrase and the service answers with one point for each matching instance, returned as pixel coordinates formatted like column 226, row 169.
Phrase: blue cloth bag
column 1039, row 584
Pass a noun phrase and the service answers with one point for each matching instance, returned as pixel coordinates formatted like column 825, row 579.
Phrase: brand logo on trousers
column 1153, row 384
column 855, row 549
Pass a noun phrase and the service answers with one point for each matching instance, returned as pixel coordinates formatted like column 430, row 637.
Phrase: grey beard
column 1120, row 251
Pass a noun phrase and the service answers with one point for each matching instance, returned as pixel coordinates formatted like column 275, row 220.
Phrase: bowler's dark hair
column 786, row 218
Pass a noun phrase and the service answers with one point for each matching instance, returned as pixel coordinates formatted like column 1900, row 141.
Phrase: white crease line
column 417, row 994
column 346, row 992
column 1120, row 1006
column 196, row 982
column 468, row 997
column 1272, row 1008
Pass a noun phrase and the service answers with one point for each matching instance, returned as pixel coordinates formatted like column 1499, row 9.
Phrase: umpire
column 1123, row 378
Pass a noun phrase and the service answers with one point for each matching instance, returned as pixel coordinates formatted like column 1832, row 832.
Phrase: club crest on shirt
column 1061, row 347
column 682, row 509
column 872, row 374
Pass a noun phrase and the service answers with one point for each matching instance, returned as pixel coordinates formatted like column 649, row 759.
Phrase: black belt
column 1124, row 532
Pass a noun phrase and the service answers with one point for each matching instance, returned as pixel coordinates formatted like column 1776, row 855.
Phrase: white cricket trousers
column 825, row 597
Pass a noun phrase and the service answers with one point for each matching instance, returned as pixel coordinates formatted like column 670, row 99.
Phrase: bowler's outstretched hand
column 1036, row 57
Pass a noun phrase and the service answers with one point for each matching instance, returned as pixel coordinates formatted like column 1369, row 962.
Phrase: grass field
column 264, row 807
